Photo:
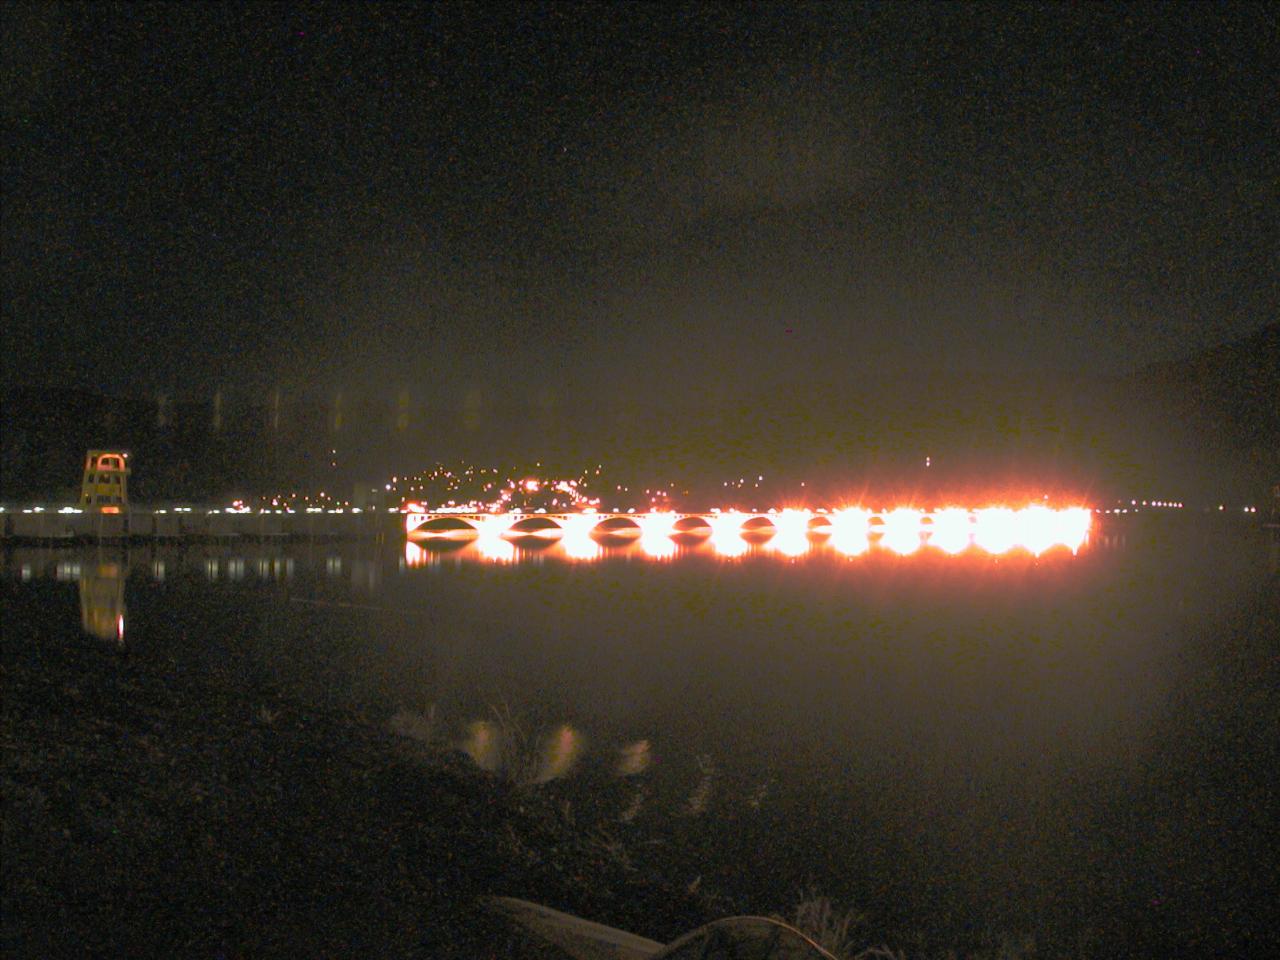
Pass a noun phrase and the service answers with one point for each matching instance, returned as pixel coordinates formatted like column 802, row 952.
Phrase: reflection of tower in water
column 102, row 601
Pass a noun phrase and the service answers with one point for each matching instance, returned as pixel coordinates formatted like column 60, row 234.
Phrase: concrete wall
column 27, row 524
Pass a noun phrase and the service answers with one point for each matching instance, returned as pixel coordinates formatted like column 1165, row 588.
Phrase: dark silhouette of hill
column 1202, row 428
column 1218, row 409
column 181, row 456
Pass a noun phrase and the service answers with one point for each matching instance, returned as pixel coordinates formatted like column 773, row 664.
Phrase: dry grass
column 832, row 929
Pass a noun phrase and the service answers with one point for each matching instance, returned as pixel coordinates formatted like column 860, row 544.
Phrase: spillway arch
column 622, row 528
column 441, row 528
column 606, row 528
column 952, row 529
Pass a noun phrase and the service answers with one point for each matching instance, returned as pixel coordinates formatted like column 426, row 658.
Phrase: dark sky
column 452, row 198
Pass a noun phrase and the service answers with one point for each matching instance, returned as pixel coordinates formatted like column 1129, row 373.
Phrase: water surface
column 1064, row 742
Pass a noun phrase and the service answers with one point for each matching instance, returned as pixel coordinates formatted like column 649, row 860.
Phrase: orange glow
column 656, row 525
column 902, row 530
column 655, row 535
column 794, row 522
column 110, row 509
column 414, row 555
column 851, row 520
column 995, row 529
column 1073, row 527
column 1037, row 528
column 792, row 538
column 952, row 530
column 536, row 531
column 726, row 534
column 850, row 541
column 490, row 543
column 577, row 540
column 790, row 532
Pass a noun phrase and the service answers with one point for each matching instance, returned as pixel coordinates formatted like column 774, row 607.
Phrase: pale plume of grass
column 558, row 753
column 877, row 953
column 634, row 759
column 832, row 929
column 634, row 805
column 700, row 799
column 506, row 747
column 611, row 849
column 758, row 795
column 422, row 727
column 267, row 716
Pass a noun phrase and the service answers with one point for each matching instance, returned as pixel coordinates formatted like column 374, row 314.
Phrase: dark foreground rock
column 152, row 812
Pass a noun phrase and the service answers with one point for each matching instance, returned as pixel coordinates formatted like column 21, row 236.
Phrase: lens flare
column 655, row 535
column 490, row 543
column 791, row 532
column 850, row 542
column 792, row 537
column 577, row 542
column 995, row 529
column 414, row 555
column 850, row 520
column 1037, row 528
column 1073, row 527
column 952, row 530
column 902, row 531
column 726, row 534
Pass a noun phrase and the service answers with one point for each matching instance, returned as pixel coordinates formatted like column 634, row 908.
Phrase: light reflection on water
column 786, row 534
column 922, row 702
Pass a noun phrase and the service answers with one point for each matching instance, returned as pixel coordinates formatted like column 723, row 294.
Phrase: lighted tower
column 105, row 485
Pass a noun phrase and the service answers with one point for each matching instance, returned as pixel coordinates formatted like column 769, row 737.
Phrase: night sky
column 577, row 201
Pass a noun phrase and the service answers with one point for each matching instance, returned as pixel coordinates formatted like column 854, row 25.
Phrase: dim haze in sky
column 601, row 200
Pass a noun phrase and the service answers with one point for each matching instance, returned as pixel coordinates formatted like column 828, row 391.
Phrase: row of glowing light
column 904, row 531
column 236, row 510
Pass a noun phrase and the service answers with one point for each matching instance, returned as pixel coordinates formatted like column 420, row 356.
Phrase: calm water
column 1070, row 742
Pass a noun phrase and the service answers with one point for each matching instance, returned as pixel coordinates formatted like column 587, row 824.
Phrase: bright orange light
column 1073, row 527
column 902, row 530
column 851, row 520
column 995, row 529
column 655, row 535
column 657, row 524
column 577, row 541
column 792, row 522
column 726, row 534
column 490, row 543
column 1037, row 528
column 851, row 543
column 110, row 509
column 792, row 538
column 849, row 531
column 531, row 486
column 414, row 555
column 852, row 531
column 951, row 530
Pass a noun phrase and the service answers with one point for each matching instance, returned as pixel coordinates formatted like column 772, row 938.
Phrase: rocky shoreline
column 153, row 811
